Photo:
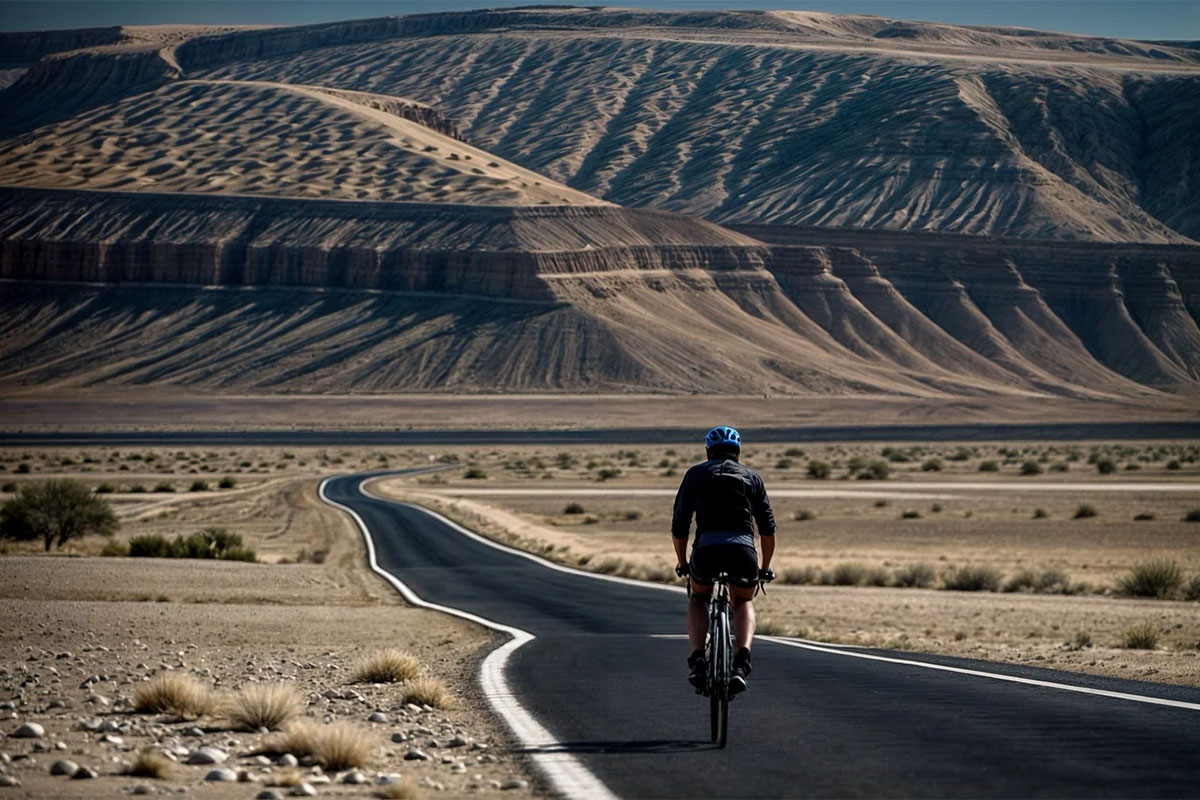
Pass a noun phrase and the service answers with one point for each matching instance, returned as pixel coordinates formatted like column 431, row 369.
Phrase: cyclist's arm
column 681, row 519
column 768, row 550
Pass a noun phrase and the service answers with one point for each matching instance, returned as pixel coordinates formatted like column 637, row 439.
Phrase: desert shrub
column 405, row 789
column 855, row 464
column 9, row 488
column 848, row 574
column 174, row 693
column 475, row 474
column 632, row 515
column 1022, row 581
column 876, row 576
column 137, row 488
column 1191, row 590
column 1140, row 637
column 914, row 576
column 114, row 549
column 337, row 746
column 881, row 503
column 1031, row 468
column 875, row 471
column 608, row 473
column 264, row 705
column 932, row 465
column 1173, row 464
column 152, row 764
column 1050, row 581
column 818, row 470
column 150, row 545
column 573, row 508
column 105, row 488
column 23, row 468
column 783, row 463
column 1060, row 466
column 428, row 691
column 163, row 487
column 1145, row 516
column 1159, row 577
column 228, row 482
column 389, row 665
column 1040, row 513
column 794, row 452
column 55, row 511
column 910, row 513
column 1082, row 640
column 1105, row 466
column 1192, row 515
column 804, row 515
column 1085, row 511
column 802, row 576
column 972, row 579
column 198, row 486
column 989, row 466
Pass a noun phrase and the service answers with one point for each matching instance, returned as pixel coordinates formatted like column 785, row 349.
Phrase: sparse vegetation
column 932, row 465
column 972, row 579
column 1141, row 637
column 818, row 470
column 264, row 705
column 1031, row 468
column 152, row 764
column 1159, row 577
column 1145, row 516
column 1085, row 511
column 55, row 511
column 198, row 486
column 573, row 508
column 804, row 515
column 910, row 513
column 1050, row 581
column 428, row 691
column 989, row 466
column 1106, row 466
column 874, row 471
column 216, row 543
column 337, row 746
column 174, row 693
column 1040, row 513
column 228, row 482
column 403, row 789
column 1192, row 516
column 475, row 474
column 608, row 473
column 914, row 576
column 389, row 665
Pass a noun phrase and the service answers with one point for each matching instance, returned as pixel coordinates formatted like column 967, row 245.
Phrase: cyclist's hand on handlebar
column 682, row 570
column 766, row 574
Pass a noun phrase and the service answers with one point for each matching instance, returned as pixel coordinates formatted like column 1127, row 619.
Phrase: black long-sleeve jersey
column 727, row 499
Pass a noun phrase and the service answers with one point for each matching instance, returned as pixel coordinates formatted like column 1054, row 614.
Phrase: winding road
column 592, row 683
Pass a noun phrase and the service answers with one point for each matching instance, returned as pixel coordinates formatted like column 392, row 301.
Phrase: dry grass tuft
column 387, row 666
column 175, row 693
column 285, row 778
column 337, row 746
column 1141, row 637
column 264, row 705
column 152, row 764
column 770, row 627
column 402, row 790
column 428, row 691
column 341, row 745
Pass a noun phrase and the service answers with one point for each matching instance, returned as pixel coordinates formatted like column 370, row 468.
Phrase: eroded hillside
column 921, row 210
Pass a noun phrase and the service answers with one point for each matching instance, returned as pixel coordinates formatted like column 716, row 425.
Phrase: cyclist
column 727, row 499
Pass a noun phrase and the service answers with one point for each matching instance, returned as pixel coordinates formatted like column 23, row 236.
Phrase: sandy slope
column 264, row 138
column 809, row 119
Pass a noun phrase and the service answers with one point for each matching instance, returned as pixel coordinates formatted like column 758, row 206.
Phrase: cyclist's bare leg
column 697, row 615
column 743, row 615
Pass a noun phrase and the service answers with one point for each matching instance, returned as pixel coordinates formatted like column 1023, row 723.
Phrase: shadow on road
column 648, row 746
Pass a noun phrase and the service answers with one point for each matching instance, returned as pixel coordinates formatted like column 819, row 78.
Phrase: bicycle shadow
column 647, row 746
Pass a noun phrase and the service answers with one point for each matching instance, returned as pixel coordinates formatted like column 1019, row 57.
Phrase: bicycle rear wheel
column 718, row 698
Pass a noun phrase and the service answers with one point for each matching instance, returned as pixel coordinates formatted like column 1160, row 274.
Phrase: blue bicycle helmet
column 723, row 435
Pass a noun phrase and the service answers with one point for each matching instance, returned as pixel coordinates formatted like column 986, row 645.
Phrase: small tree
column 55, row 511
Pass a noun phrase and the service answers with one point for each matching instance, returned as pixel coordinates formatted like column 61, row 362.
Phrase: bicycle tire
column 720, row 671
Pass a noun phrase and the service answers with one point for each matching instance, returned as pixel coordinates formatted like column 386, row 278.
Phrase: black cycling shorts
column 740, row 561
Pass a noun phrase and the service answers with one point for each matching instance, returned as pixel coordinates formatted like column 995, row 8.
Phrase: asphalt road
column 378, row 438
column 826, row 722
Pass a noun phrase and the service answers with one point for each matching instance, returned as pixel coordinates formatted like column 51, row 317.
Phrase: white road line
column 1066, row 687
column 564, row 772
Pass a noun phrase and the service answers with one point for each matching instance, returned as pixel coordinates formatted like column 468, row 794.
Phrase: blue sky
column 1134, row 19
